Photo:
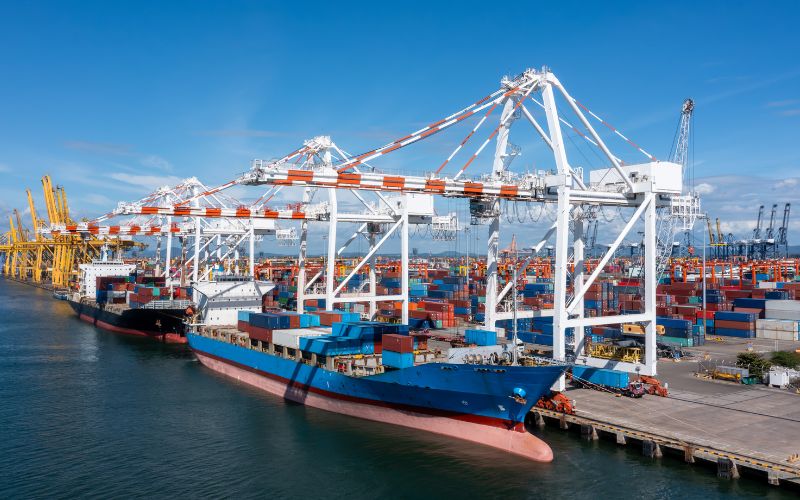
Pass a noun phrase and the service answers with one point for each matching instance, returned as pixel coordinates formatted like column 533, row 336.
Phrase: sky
column 113, row 99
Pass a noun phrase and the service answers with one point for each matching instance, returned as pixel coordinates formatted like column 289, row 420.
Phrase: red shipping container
column 735, row 325
column 758, row 312
column 262, row 334
column 398, row 343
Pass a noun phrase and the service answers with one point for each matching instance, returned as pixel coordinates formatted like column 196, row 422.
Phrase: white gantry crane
column 175, row 212
column 641, row 189
column 381, row 216
column 640, row 193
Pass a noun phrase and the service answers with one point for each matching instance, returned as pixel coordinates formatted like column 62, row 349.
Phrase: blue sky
column 115, row 98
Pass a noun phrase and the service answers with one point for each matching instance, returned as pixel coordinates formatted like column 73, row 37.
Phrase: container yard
column 511, row 273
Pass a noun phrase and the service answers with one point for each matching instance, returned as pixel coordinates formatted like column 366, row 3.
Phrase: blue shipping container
column 480, row 337
column 398, row 359
column 601, row 376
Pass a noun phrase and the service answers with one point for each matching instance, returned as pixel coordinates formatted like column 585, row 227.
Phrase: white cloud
column 782, row 104
column 98, row 199
column 736, row 199
column 704, row 188
column 155, row 161
column 4, row 168
column 146, row 181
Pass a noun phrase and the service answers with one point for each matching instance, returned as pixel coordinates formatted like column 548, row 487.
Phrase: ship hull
column 162, row 325
column 497, row 424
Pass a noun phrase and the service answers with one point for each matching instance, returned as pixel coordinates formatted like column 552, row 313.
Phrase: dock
column 741, row 430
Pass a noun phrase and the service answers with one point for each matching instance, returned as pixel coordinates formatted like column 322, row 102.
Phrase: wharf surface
column 749, row 430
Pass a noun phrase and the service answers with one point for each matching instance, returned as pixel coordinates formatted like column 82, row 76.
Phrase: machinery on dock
column 557, row 402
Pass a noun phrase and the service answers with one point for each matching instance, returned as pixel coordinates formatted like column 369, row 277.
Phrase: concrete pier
column 737, row 429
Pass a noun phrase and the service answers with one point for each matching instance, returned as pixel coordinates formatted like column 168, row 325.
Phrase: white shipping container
column 781, row 325
column 782, row 305
column 770, row 285
column 291, row 337
column 787, row 315
column 775, row 335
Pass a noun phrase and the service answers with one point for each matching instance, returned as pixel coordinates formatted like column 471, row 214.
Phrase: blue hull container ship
column 381, row 372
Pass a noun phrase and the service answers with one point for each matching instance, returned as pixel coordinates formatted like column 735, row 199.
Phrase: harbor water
column 88, row 413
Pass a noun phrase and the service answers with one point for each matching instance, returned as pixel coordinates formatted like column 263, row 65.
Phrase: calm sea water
column 88, row 413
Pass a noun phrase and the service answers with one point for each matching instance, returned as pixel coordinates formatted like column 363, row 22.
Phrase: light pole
column 705, row 216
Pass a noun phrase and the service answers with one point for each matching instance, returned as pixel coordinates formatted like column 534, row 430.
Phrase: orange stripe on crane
column 242, row 212
column 473, row 188
column 389, row 150
column 394, row 182
column 149, row 210
column 434, row 186
column 509, row 191
column 353, row 179
column 429, row 132
column 213, row 212
column 300, row 175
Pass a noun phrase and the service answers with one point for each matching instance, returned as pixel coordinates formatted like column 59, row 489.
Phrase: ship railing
column 540, row 360
column 166, row 304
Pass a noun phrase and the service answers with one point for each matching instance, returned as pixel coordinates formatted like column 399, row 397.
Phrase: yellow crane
column 54, row 259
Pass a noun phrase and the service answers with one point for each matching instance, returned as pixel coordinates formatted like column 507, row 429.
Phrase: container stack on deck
column 137, row 290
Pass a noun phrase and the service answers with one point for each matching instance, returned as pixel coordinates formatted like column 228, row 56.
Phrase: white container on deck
column 291, row 337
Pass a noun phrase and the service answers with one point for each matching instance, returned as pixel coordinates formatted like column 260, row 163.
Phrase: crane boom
column 680, row 150
column 771, row 228
column 757, row 230
column 784, row 229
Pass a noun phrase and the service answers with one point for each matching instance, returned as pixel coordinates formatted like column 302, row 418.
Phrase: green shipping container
column 676, row 341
